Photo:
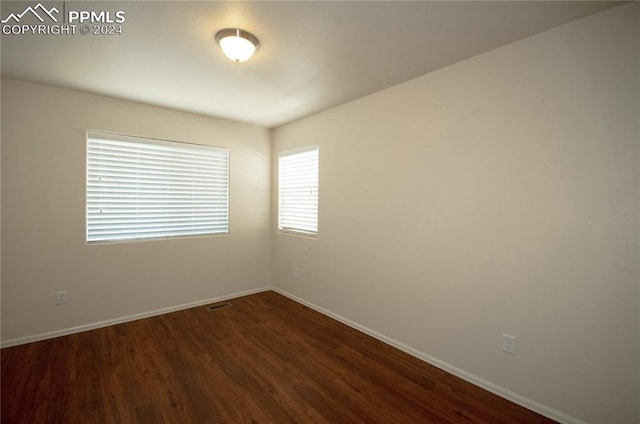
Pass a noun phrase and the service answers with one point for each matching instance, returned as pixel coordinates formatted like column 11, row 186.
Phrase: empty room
column 320, row 212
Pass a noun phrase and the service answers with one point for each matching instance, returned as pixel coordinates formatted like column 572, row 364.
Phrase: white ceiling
column 314, row 54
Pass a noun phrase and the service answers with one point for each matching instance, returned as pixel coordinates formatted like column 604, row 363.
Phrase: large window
column 298, row 191
column 139, row 188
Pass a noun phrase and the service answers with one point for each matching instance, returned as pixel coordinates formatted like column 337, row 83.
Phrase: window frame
column 287, row 229
column 186, row 147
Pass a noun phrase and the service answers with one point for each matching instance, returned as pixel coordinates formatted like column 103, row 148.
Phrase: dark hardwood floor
column 265, row 359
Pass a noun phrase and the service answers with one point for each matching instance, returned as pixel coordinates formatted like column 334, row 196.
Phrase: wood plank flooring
column 265, row 359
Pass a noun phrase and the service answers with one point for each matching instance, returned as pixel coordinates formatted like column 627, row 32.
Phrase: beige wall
column 43, row 215
column 500, row 194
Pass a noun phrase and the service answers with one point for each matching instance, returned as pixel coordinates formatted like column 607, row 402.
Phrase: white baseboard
column 471, row 378
column 128, row 318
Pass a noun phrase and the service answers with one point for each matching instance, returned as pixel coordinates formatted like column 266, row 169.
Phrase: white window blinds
column 298, row 191
column 140, row 188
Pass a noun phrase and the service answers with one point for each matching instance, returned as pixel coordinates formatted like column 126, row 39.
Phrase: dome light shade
column 237, row 45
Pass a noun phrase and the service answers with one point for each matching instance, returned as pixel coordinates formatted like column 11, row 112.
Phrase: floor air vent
column 217, row 306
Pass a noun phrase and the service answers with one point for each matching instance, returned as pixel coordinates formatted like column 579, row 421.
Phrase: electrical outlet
column 296, row 272
column 61, row 297
column 508, row 344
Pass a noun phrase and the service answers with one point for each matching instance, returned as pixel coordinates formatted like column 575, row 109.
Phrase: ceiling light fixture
column 237, row 45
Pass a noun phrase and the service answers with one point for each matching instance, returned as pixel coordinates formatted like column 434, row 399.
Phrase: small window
column 298, row 191
column 139, row 188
